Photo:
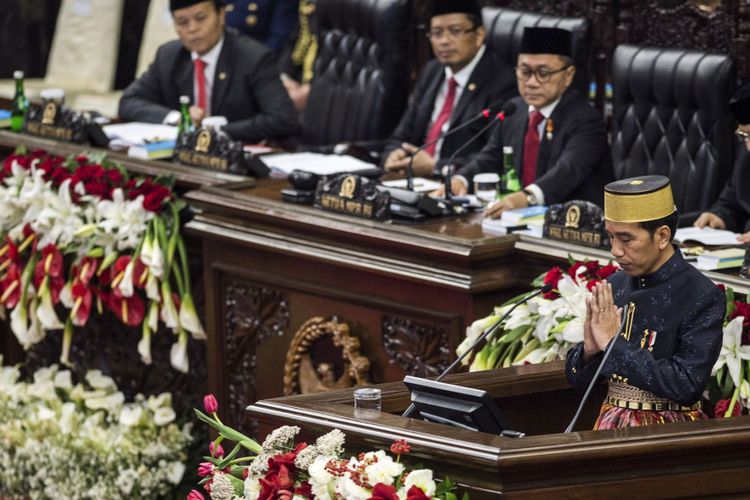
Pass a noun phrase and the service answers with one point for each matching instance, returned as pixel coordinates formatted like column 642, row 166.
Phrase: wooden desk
column 696, row 459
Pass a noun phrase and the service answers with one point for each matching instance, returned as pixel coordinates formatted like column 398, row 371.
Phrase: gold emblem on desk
column 203, row 142
column 576, row 221
column 50, row 111
column 352, row 195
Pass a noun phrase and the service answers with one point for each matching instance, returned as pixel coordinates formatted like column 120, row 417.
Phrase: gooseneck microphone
column 486, row 333
column 485, row 113
column 509, row 110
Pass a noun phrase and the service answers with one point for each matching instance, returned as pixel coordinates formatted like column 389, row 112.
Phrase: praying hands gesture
column 602, row 320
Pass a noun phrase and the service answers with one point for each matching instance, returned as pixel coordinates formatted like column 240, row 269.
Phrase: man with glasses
column 456, row 86
column 732, row 210
column 559, row 141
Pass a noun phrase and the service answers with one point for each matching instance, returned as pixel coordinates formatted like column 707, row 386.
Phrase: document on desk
column 706, row 236
column 315, row 163
column 124, row 135
column 421, row 185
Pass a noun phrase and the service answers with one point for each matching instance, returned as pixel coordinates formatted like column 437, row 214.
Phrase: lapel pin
column 222, row 76
column 550, row 127
column 472, row 87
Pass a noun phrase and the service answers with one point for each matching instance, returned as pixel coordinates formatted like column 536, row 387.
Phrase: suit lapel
column 516, row 129
column 223, row 75
column 478, row 79
column 428, row 104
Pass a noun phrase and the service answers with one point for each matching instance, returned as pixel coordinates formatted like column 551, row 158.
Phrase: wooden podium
column 697, row 459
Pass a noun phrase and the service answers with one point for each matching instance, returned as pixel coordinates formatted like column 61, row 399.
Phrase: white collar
column 547, row 110
column 462, row 76
column 211, row 57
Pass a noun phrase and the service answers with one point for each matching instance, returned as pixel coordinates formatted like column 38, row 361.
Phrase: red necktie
column 531, row 148
column 442, row 118
column 200, row 79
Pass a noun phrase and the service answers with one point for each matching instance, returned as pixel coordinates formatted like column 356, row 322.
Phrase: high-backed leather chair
column 360, row 84
column 670, row 117
column 505, row 29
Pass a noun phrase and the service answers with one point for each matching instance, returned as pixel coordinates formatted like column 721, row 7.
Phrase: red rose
column 383, row 492
column 415, row 493
column 591, row 284
column 304, row 490
column 153, row 200
column 553, row 277
column 723, row 405
column 606, row 271
column 573, row 270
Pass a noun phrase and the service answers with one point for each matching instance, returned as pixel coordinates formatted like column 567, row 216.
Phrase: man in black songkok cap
column 224, row 73
column 661, row 362
column 732, row 210
column 457, row 85
column 559, row 142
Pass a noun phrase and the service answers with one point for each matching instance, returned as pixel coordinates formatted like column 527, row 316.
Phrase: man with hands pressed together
column 559, row 141
column 672, row 314
column 732, row 210
column 456, row 86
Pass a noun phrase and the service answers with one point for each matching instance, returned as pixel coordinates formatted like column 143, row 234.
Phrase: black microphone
column 486, row 333
column 485, row 113
column 509, row 110
column 598, row 371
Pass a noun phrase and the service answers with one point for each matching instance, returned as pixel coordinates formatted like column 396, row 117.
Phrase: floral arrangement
column 79, row 235
column 281, row 469
column 544, row 328
column 547, row 326
column 60, row 440
column 729, row 386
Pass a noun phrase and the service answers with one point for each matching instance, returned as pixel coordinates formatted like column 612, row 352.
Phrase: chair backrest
column 670, row 117
column 361, row 77
column 505, row 29
column 158, row 30
column 84, row 48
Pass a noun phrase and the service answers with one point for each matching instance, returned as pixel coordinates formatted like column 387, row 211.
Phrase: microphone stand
column 409, row 168
column 596, row 375
column 449, row 171
column 485, row 334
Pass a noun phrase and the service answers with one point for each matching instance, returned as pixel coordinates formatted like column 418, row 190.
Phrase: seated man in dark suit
column 559, row 141
column 226, row 74
column 456, row 86
column 732, row 210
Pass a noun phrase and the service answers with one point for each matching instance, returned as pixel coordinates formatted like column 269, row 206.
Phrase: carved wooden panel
column 324, row 356
column 420, row 349
column 253, row 314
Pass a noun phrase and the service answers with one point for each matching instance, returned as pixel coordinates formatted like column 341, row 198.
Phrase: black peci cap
column 181, row 4
column 441, row 7
column 547, row 41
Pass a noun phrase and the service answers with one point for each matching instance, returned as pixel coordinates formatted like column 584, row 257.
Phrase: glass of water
column 367, row 402
column 485, row 187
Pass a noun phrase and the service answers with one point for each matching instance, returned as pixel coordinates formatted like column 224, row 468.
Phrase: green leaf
column 513, row 335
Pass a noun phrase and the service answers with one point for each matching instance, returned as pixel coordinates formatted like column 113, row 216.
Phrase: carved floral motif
column 420, row 349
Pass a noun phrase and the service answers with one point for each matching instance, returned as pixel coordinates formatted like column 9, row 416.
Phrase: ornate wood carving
column 306, row 371
column 574, row 8
column 420, row 349
column 688, row 25
column 253, row 314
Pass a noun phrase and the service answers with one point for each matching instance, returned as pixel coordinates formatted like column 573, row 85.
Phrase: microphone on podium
column 486, row 333
column 509, row 110
column 485, row 113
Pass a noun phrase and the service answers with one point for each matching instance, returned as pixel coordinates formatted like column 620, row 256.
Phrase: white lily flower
column 189, row 318
column 178, row 355
column 745, row 393
column 473, row 332
column 152, row 287
column 153, row 257
column 422, row 479
column 121, row 222
column 45, row 312
column 126, row 283
column 169, row 313
column 732, row 350
column 130, row 415
column 19, row 325
column 164, row 416
column 144, row 345
column 111, row 403
column 98, row 380
column 521, row 316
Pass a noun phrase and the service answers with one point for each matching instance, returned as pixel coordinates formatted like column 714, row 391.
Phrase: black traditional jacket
column 673, row 340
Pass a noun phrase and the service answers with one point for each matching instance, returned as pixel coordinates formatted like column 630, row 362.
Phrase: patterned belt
column 626, row 396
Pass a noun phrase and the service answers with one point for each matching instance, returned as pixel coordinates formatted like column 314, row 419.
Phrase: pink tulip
column 205, row 469
column 216, row 451
column 195, row 495
column 210, row 404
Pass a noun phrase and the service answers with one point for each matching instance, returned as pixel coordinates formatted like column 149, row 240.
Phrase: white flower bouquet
column 83, row 441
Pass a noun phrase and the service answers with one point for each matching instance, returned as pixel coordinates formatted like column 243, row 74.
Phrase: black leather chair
column 505, row 29
column 670, row 117
column 361, row 76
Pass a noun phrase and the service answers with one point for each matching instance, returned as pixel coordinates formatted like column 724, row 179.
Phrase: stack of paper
column 528, row 221
column 525, row 215
column 124, row 135
column 315, row 163
column 721, row 259
column 152, row 150
column 706, row 236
